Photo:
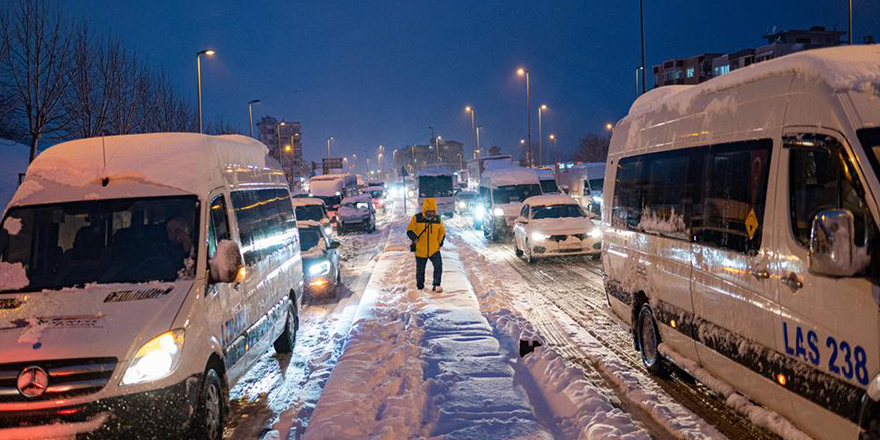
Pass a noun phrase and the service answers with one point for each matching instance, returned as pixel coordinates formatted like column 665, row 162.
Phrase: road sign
column 332, row 162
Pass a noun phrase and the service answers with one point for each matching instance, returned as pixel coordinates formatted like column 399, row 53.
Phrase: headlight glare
column 319, row 268
column 156, row 359
column 537, row 236
column 595, row 233
column 498, row 212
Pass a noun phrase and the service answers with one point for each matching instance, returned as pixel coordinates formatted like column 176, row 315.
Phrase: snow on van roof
column 551, row 199
column 144, row 165
column 325, row 187
column 510, row 176
column 843, row 68
column 306, row 201
column 435, row 171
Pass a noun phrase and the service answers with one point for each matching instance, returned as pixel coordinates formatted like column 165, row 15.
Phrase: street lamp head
column 468, row 109
column 608, row 126
column 543, row 107
column 206, row 52
column 287, row 148
column 282, row 123
column 253, row 101
column 552, row 137
column 521, row 71
column 522, row 141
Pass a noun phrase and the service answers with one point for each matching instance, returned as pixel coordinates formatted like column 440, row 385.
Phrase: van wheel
column 287, row 340
column 516, row 250
column 208, row 421
column 649, row 342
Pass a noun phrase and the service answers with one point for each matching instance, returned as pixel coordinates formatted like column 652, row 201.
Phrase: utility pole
column 642, row 27
column 251, row 114
column 850, row 24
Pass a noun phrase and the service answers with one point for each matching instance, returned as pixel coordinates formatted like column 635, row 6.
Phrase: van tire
column 529, row 257
column 516, row 250
column 649, row 342
column 287, row 340
column 208, row 421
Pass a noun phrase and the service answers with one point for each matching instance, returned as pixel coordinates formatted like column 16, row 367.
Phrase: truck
column 436, row 183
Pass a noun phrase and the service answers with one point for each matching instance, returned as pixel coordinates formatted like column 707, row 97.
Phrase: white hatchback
column 555, row 225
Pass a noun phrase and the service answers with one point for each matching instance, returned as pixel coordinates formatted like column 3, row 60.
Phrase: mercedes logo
column 33, row 381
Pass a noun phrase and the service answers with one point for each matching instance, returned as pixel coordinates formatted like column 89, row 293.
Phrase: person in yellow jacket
column 427, row 234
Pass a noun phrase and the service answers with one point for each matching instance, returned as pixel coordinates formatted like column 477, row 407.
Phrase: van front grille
column 67, row 378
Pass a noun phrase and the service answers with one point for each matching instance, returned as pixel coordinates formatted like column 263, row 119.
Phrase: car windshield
column 310, row 212
column 376, row 193
column 435, row 186
column 330, row 200
column 308, row 238
column 108, row 241
column 515, row 193
column 549, row 186
column 557, row 211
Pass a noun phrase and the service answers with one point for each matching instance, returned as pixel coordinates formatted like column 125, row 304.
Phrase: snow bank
column 422, row 365
column 843, row 68
column 15, row 160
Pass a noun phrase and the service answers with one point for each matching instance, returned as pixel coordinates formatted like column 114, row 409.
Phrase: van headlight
column 328, row 230
column 498, row 212
column 479, row 211
column 597, row 199
column 537, row 236
column 595, row 233
column 462, row 205
column 318, row 269
column 156, row 359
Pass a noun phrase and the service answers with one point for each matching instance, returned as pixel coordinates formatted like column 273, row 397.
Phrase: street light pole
column 199, row 81
column 437, row 149
column 328, row 146
column 473, row 113
column 477, row 129
column 555, row 151
column 540, row 136
column 850, row 24
column 525, row 72
column 251, row 114
column 642, row 29
column 278, row 138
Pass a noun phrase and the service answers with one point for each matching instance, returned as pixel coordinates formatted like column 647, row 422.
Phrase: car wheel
column 287, row 340
column 649, row 342
column 208, row 421
column 529, row 257
column 516, row 250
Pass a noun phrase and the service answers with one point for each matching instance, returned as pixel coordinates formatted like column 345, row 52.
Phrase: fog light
column 780, row 378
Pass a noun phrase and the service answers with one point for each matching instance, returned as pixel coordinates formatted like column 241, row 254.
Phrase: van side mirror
column 833, row 251
column 227, row 262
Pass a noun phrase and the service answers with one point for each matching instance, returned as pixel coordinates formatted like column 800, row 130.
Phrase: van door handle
column 792, row 281
column 760, row 274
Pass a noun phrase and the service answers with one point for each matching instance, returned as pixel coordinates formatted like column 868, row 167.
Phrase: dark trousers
column 421, row 263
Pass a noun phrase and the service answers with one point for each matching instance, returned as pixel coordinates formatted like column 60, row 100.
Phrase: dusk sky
column 381, row 72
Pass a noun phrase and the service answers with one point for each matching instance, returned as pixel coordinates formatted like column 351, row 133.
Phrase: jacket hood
column 429, row 205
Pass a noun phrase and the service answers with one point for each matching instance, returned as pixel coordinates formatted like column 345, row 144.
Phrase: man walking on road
column 427, row 234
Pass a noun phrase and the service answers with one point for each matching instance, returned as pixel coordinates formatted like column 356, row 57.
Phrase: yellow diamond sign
column 751, row 223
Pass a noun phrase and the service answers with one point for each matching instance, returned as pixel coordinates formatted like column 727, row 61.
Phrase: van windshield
column 870, row 139
column 549, row 186
column 515, row 193
column 107, row 241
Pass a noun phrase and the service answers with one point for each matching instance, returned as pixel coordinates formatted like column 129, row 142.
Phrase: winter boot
column 438, row 289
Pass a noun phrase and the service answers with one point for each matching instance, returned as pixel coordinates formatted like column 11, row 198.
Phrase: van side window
column 821, row 177
column 266, row 223
column 729, row 210
column 627, row 204
column 218, row 224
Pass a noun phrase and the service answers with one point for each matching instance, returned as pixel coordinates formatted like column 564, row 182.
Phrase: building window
column 690, row 72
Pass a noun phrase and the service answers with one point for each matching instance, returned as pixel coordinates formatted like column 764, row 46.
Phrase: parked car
column 465, row 201
column 742, row 238
column 132, row 305
column 356, row 213
column 320, row 257
column 555, row 225
column 313, row 209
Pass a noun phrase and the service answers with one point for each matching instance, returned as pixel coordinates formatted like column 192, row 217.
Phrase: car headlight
column 479, row 211
column 537, row 236
column 319, row 268
column 498, row 212
column 597, row 199
column 595, row 233
column 462, row 205
column 328, row 230
column 156, row 359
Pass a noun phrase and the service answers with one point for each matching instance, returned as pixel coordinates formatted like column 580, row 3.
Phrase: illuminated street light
column 524, row 72
column 540, row 136
column 609, row 126
column 473, row 113
column 199, row 79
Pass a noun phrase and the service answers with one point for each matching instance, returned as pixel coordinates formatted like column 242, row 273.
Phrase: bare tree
column 36, row 66
column 592, row 148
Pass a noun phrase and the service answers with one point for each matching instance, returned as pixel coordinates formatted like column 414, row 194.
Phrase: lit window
column 690, row 72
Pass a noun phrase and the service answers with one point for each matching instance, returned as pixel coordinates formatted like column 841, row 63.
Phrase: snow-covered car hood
column 349, row 213
column 94, row 321
column 569, row 225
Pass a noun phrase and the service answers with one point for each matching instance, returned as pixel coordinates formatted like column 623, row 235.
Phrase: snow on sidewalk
column 420, row 364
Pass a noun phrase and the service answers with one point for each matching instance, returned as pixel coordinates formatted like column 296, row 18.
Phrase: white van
column 742, row 233
column 140, row 276
column 502, row 192
column 436, row 183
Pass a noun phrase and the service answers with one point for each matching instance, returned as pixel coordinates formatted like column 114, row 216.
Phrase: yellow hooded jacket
column 428, row 234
